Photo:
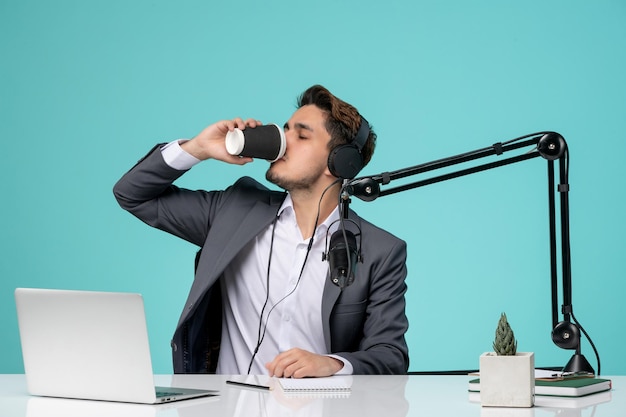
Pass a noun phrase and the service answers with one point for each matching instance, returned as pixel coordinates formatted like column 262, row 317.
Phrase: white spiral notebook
column 334, row 384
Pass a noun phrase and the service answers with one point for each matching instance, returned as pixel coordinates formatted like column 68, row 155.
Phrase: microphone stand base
column 578, row 363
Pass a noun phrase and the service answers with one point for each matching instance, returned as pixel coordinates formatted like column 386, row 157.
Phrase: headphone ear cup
column 345, row 161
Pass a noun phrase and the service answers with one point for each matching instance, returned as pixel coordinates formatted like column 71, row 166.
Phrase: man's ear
column 327, row 172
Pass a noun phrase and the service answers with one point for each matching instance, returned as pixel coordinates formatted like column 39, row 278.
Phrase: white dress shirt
column 292, row 316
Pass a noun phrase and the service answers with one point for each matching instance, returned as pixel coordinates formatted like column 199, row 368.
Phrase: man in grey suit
column 261, row 301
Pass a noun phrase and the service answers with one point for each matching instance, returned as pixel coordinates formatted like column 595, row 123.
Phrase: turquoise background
column 87, row 87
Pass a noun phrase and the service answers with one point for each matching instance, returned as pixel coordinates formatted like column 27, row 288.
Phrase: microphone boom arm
column 549, row 145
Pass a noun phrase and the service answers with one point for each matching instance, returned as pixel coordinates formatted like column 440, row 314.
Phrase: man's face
column 306, row 154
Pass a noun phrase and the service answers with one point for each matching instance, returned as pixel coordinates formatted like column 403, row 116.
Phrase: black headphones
column 345, row 161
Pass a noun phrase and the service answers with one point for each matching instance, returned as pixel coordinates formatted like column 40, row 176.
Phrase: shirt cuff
column 347, row 366
column 176, row 157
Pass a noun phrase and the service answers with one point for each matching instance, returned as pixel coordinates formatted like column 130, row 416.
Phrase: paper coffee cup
column 265, row 142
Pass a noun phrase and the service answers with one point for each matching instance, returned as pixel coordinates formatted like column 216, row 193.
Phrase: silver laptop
column 89, row 345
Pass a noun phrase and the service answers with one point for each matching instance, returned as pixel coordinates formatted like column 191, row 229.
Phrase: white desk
column 375, row 396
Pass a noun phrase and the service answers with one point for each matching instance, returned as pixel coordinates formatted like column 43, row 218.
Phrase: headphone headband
column 362, row 134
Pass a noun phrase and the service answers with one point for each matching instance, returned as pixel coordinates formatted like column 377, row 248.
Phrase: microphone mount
column 344, row 251
column 552, row 147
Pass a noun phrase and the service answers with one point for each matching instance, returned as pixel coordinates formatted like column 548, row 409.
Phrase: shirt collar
column 330, row 224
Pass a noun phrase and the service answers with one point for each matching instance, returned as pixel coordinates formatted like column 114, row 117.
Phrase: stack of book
column 565, row 392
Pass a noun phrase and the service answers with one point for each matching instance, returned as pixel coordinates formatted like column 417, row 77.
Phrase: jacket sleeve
column 147, row 192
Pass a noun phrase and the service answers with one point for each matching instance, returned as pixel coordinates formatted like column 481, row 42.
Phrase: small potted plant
column 507, row 377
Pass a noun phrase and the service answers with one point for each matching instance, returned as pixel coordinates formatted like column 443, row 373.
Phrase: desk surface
column 388, row 396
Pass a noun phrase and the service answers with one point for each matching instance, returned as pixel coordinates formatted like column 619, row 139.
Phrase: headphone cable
column 261, row 333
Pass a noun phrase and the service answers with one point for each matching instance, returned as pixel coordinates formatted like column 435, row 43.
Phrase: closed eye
column 301, row 128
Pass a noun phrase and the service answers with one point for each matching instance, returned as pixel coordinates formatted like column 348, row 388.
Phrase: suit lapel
column 214, row 260
column 332, row 293
column 248, row 229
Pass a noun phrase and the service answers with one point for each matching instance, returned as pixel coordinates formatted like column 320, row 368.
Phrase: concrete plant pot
column 507, row 381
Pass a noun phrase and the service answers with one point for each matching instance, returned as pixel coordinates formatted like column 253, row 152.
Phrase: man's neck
column 306, row 206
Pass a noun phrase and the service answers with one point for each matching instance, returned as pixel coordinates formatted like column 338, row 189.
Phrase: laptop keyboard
column 161, row 394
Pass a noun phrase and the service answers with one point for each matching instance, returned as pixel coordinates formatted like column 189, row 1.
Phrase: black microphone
column 342, row 259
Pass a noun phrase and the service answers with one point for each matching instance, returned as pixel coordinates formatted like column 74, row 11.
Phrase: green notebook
column 571, row 387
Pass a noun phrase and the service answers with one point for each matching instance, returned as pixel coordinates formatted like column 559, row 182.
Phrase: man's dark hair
column 342, row 119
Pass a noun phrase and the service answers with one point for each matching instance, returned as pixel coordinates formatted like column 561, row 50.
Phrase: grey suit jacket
column 365, row 323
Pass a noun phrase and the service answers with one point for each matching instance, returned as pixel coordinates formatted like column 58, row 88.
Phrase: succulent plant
column 504, row 343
